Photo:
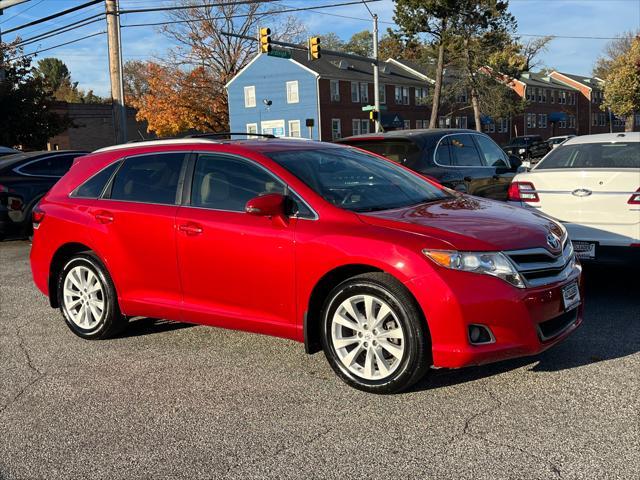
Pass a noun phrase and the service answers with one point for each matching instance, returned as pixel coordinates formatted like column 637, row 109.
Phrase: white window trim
column 364, row 89
column 255, row 125
column 336, row 97
column 249, row 96
column 293, row 122
column 339, row 130
column 357, row 90
column 290, row 92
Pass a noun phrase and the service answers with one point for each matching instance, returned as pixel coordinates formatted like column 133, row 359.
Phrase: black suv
column 463, row 160
column 24, row 179
column 528, row 147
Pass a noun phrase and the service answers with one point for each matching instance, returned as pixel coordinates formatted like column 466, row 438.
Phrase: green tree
column 437, row 19
column 622, row 84
column 27, row 118
column 613, row 50
column 330, row 41
column 360, row 43
column 55, row 75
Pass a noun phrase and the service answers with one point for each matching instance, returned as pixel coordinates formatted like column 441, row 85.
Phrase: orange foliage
column 176, row 101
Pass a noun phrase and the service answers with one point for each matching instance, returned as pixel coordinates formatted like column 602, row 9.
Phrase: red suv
column 388, row 273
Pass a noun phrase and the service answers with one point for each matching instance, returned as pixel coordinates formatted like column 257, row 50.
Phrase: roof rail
column 229, row 134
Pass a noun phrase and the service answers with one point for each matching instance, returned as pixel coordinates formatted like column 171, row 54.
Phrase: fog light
column 479, row 334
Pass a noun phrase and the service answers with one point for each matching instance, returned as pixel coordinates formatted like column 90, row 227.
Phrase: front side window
column 463, row 151
column 250, row 96
column 357, row 181
column 94, row 187
column 593, row 155
column 224, row 183
column 149, row 179
column 292, row 92
column 493, row 155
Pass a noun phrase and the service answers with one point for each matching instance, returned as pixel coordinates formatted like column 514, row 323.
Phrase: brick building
column 93, row 127
column 284, row 96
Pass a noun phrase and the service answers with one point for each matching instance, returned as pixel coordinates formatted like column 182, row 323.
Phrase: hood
column 472, row 224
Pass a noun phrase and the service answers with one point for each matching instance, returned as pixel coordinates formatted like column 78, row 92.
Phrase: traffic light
column 265, row 40
column 314, row 48
column 374, row 115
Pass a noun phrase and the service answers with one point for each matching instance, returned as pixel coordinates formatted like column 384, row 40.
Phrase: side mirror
column 270, row 205
column 515, row 161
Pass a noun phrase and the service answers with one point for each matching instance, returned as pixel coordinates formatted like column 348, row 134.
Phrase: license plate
column 585, row 250
column 571, row 296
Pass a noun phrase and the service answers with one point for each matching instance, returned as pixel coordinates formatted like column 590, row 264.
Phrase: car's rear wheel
column 88, row 300
column 374, row 335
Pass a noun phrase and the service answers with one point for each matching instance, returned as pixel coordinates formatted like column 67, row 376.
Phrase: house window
column 552, row 95
column 249, row 96
column 594, row 119
column 335, row 90
column 444, row 122
column 402, row 95
column 572, row 121
column 531, row 120
column 364, row 126
column 422, row 123
column 460, row 122
column 382, row 93
column 407, row 125
column 503, row 125
column 364, row 92
column 462, row 97
column 602, row 119
column 421, row 95
column 542, row 120
column 572, row 99
column 355, row 92
column 562, row 124
column 545, row 94
column 355, row 127
column 252, row 128
column 489, row 127
column 540, row 94
column 294, row 128
column 292, row 92
column 562, row 98
column 336, row 129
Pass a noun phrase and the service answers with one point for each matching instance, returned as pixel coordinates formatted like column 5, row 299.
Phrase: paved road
column 177, row 401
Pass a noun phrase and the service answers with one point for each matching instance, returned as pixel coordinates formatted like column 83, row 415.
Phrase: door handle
column 104, row 217
column 190, row 228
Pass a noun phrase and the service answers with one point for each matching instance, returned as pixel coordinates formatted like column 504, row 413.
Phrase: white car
column 555, row 142
column 592, row 185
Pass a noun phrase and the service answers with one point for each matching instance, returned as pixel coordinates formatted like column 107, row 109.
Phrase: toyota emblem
column 553, row 241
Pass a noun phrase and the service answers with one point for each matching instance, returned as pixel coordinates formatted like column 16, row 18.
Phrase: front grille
column 538, row 266
column 554, row 327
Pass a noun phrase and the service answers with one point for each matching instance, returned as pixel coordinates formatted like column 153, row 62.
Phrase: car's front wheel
column 88, row 300
column 374, row 336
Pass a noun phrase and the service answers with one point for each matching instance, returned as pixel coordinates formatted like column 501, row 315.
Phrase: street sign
column 370, row 108
column 279, row 53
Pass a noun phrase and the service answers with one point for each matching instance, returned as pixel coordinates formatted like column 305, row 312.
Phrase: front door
column 236, row 269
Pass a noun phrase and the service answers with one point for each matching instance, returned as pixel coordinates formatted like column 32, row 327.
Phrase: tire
column 380, row 352
column 94, row 315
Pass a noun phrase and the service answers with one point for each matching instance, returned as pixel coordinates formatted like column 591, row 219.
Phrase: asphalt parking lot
column 170, row 400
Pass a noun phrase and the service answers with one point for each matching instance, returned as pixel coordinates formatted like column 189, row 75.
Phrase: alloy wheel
column 84, row 298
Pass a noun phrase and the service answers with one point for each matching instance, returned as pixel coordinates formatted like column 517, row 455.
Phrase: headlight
column 522, row 150
column 489, row 263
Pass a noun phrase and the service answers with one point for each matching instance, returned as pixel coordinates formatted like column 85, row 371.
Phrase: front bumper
column 523, row 321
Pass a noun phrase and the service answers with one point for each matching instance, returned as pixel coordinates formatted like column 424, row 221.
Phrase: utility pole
column 4, row 4
column 376, row 73
column 115, row 71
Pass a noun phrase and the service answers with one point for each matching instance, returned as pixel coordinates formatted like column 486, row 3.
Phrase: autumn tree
column 27, row 118
column 622, row 84
column 202, row 62
column 612, row 51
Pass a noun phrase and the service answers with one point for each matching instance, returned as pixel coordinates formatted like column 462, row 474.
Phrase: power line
column 22, row 11
column 188, row 7
column 60, row 30
column 368, row 20
column 30, row 54
column 566, row 36
column 275, row 12
column 52, row 16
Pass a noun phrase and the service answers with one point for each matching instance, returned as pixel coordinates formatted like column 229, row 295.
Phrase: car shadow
column 139, row 326
column 610, row 330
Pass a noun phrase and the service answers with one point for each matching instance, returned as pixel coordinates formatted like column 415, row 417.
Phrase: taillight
column 36, row 217
column 634, row 199
column 523, row 192
column 3, row 188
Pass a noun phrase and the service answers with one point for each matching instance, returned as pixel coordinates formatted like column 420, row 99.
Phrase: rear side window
column 493, row 155
column 443, row 155
column 55, row 166
column 399, row 151
column 149, row 179
column 93, row 187
column 224, row 183
column 593, row 155
column 464, row 152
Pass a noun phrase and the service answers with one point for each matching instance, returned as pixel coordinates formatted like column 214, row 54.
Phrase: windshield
column 357, row 181
column 593, row 155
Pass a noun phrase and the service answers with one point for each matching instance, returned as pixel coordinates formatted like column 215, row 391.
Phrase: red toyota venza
column 389, row 273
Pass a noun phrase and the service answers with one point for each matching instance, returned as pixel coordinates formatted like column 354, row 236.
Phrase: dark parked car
column 463, row 160
column 24, row 179
column 4, row 151
column 528, row 147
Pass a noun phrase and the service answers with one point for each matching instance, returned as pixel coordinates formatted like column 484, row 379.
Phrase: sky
column 87, row 59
